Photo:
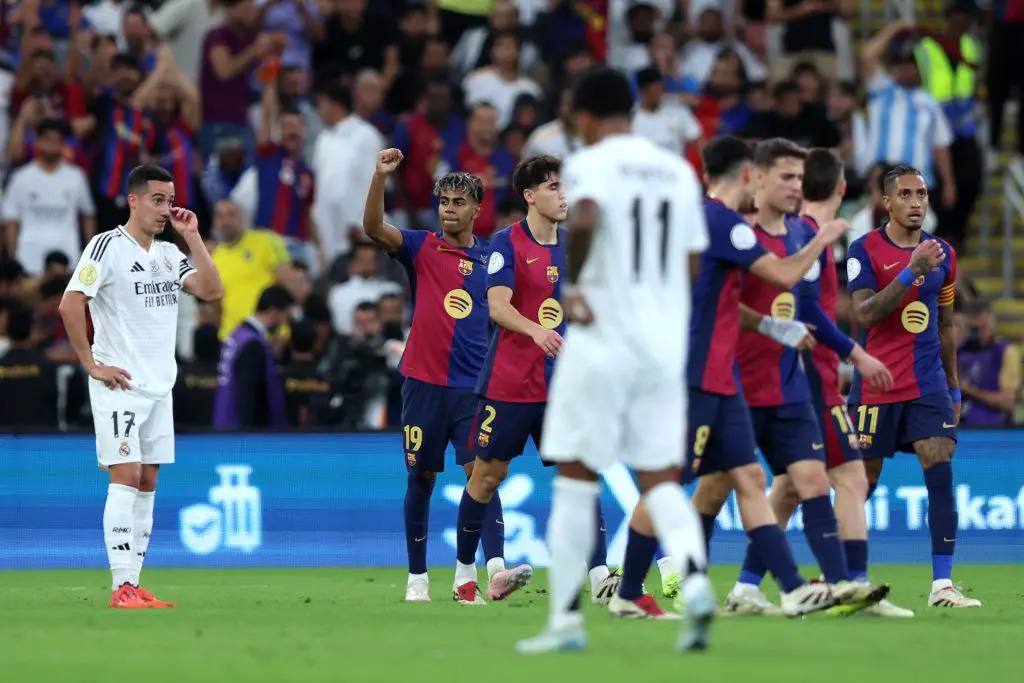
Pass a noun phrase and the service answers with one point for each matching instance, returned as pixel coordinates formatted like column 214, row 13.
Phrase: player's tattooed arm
column 871, row 307
column 582, row 224
column 387, row 236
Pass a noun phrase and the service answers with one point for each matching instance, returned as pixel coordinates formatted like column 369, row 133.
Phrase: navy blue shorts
column 788, row 434
column 432, row 417
column 500, row 429
column 842, row 444
column 888, row 428
column 720, row 435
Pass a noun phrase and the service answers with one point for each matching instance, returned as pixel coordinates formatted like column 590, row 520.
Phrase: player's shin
column 820, row 526
column 640, row 550
column 118, row 519
column 571, row 540
column 492, row 536
column 678, row 528
column 598, row 564
column 942, row 521
column 850, row 484
column 142, row 528
column 416, row 511
column 470, row 522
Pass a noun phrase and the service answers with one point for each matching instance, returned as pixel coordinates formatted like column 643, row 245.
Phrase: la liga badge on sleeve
column 87, row 275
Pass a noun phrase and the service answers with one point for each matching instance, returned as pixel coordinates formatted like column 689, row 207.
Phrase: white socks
column 142, row 529
column 464, row 573
column 571, row 541
column 118, row 522
column 677, row 527
column 495, row 565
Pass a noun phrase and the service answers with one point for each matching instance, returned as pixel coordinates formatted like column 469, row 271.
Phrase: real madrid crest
column 552, row 273
column 465, row 266
column 167, row 264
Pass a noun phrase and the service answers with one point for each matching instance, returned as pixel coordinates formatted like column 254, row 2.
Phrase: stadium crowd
column 269, row 115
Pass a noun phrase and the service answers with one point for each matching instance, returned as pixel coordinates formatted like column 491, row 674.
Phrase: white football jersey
column 133, row 299
column 636, row 279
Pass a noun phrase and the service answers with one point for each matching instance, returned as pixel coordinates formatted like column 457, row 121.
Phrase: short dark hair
column 316, row 310
column 823, row 171
column 11, row 270
column 505, row 33
column 140, row 176
column 388, row 297
column 801, row 68
column 19, row 322
column 361, row 246
column 367, row 306
column 43, row 53
column 53, row 286
column 603, row 92
column 52, row 125
column 290, row 110
column 648, row 76
column 532, row 172
column 725, row 155
column 303, row 336
column 896, row 172
column 768, row 152
column 336, row 92
column 123, row 59
column 783, row 88
column 466, row 183
column 275, row 298
column 58, row 257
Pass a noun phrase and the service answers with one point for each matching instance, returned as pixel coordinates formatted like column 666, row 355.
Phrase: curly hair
column 463, row 183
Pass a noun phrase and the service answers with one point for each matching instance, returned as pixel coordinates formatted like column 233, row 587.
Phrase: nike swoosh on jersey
column 946, row 425
column 817, row 446
column 441, row 247
column 890, row 266
column 531, row 260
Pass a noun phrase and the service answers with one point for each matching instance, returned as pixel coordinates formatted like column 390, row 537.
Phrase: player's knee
column 749, row 479
column 487, row 476
column 873, row 471
column 127, row 474
column 810, row 479
column 784, row 494
column 852, row 482
column 931, row 452
column 148, row 476
column 712, row 492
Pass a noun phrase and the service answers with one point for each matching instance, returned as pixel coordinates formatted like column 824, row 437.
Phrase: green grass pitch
column 278, row 625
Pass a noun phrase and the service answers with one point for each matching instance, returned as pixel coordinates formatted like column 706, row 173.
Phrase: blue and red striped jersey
column 517, row 370
column 450, row 320
column 771, row 373
column 715, row 322
column 821, row 362
column 178, row 141
column 907, row 340
column 285, row 191
column 124, row 133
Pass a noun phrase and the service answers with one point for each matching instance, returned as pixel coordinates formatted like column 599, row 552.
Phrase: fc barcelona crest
column 865, row 441
column 484, row 440
column 410, row 459
column 465, row 266
column 552, row 274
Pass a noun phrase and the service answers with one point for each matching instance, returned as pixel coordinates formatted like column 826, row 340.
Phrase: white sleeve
column 83, row 201
column 246, row 194
column 12, row 202
column 880, row 81
column 183, row 264
column 94, row 267
column 691, row 223
column 943, row 135
column 171, row 16
column 690, row 127
column 583, row 181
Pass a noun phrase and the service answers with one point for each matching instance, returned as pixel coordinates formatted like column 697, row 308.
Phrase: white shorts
column 605, row 406
column 131, row 427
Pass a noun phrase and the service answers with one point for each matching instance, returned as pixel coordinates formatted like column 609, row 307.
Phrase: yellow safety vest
column 471, row 7
column 937, row 74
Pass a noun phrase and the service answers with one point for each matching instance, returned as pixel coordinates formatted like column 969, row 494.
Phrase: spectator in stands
column 229, row 54
column 365, row 379
column 47, row 205
column 807, row 125
column 28, row 381
column 249, row 262
column 482, row 155
column 356, row 39
column 499, row 83
column 906, row 124
column 632, row 26
column 39, row 81
column 667, row 123
column 5, row 307
column 174, row 100
column 557, row 137
column 811, row 31
column 413, row 38
column 368, row 101
column 709, row 42
column 138, row 37
column 362, row 285
column 510, row 211
column 989, row 371
column 196, row 386
column 249, row 392
column 343, row 162
column 307, row 394
column 12, row 278
column 292, row 92
column 844, row 113
column 277, row 191
column 300, row 23
column 224, row 169
column 948, row 63
column 726, row 87
column 474, row 47
column 1003, row 68
column 424, row 139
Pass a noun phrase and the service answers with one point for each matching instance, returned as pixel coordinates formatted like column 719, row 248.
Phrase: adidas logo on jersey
column 137, row 268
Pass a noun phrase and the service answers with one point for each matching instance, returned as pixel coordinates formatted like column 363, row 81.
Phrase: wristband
column 906, row 277
column 956, row 394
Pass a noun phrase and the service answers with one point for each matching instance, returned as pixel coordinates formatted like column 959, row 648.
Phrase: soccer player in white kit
column 130, row 283
column 635, row 224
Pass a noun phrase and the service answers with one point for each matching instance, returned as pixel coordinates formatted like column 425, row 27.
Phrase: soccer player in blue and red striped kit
column 721, row 443
column 444, row 352
column 524, row 277
column 903, row 283
column 823, row 188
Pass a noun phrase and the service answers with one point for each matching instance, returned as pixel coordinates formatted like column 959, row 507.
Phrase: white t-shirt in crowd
column 486, row 85
column 671, row 126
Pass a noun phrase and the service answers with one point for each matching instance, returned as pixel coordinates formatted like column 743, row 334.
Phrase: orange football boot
column 151, row 601
column 126, row 597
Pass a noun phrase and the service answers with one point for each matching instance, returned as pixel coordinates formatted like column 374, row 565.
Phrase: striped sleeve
column 94, row 268
column 947, row 295
column 185, row 267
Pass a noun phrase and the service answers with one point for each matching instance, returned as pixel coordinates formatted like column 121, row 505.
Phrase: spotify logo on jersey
column 915, row 317
column 550, row 314
column 784, row 306
column 458, row 303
